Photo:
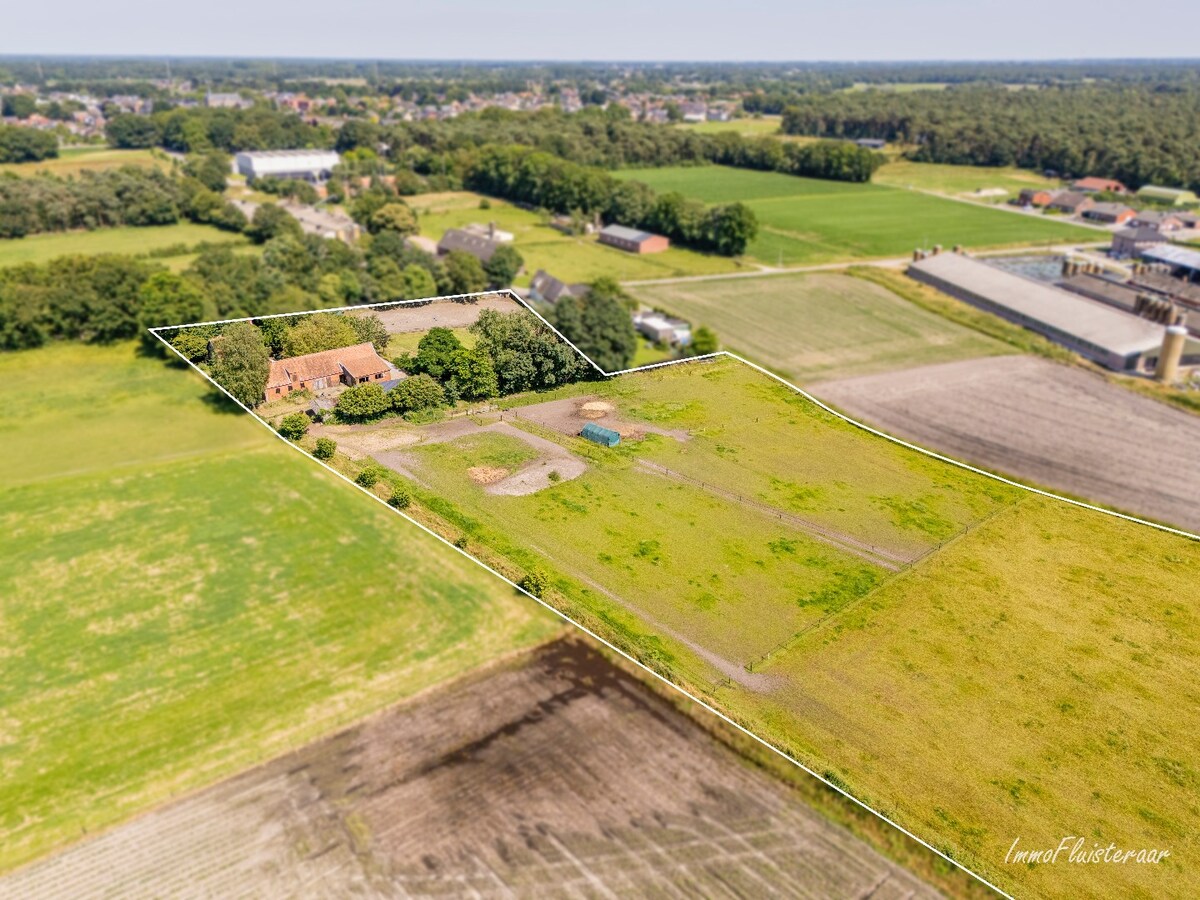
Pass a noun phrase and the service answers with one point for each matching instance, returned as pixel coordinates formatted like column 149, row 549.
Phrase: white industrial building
column 309, row 165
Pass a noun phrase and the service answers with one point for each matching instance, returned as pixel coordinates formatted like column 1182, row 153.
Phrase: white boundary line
column 716, row 712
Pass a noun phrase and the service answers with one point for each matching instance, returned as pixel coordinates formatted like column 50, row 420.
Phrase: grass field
column 572, row 259
column 1006, row 679
column 74, row 160
column 809, row 221
column 961, row 181
column 184, row 597
column 40, row 248
column 815, row 326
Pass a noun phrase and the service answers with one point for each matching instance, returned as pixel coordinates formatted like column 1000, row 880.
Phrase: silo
column 1172, row 351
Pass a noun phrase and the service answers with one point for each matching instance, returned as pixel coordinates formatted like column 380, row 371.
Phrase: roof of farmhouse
column 359, row 360
column 625, row 233
column 1088, row 320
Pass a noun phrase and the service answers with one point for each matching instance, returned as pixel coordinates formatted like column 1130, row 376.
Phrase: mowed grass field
column 183, row 597
column 1010, row 682
column 74, row 160
column 572, row 259
column 809, row 327
column 962, row 181
column 40, row 248
column 804, row 221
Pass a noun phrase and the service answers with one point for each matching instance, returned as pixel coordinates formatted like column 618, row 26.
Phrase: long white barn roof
column 265, row 162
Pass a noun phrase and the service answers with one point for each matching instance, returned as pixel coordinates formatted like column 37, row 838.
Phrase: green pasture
column 810, row 327
column 184, row 597
column 40, row 248
column 963, row 181
column 74, row 160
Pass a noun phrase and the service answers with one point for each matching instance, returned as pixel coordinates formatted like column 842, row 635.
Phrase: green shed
column 604, row 436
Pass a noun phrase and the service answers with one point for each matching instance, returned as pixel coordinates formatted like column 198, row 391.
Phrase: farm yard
column 212, row 600
column 804, row 221
column 1044, row 422
column 516, row 781
column 812, row 326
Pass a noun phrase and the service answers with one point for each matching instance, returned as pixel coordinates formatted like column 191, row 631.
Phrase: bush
column 294, row 426
column 554, row 477
column 401, row 498
column 362, row 402
column 325, row 448
column 536, row 582
column 370, row 476
column 418, row 392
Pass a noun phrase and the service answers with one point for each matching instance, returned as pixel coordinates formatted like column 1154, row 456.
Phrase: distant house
column 1071, row 202
column 324, row 223
column 227, row 101
column 1189, row 221
column 1100, row 185
column 422, row 243
column 1110, row 213
column 632, row 240
column 1159, row 221
column 871, row 143
column 1035, row 197
column 548, row 289
column 306, row 165
column 490, row 231
column 357, row 364
column 1130, row 242
column 477, row 245
column 1173, row 196
column 663, row 329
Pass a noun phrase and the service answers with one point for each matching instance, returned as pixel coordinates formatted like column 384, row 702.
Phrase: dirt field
column 555, row 774
column 445, row 314
column 1051, row 424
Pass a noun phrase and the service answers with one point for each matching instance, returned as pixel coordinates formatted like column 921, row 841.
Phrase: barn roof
column 626, row 234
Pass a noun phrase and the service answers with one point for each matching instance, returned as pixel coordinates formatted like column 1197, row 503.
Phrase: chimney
column 491, row 231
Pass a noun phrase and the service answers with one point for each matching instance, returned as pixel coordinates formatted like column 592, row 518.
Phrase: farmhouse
column 490, row 231
column 477, row 245
column 1173, row 196
column 1035, row 197
column 1093, row 330
column 357, row 364
column 306, row 165
column 1071, row 202
column 1100, row 185
column 1160, row 221
column 1110, row 213
column 632, row 240
column 548, row 289
column 324, row 223
column 1130, row 242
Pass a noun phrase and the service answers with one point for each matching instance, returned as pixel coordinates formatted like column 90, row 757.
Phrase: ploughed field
column 804, row 221
column 975, row 660
column 551, row 774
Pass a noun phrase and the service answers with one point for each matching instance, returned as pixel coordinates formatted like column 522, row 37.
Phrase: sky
column 570, row 30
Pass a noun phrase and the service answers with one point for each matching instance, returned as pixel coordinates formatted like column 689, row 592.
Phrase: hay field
column 184, row 597
column 806, row 221
column 813, row 326
column 74, row 160
column 40, row 248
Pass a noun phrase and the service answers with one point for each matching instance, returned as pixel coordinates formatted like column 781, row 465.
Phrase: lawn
column 572, row 259
column 74, row 160
column 40, row 248
column 407, row 341
column 806, row 221
column 808, row 327
column 184, row 597
column 963, row 181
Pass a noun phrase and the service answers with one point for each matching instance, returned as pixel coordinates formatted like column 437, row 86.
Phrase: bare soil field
column 553, row 774
column 1055, row 425
column 440, row 314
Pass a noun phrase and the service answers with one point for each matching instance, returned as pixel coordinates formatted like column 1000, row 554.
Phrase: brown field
column 403, row 319
column 552, row 774
column 1043, row 422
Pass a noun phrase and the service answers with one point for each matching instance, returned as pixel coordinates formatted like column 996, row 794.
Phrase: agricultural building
column 1113, row 338
column 663, row 329
column 1183, row 262
column 1173, row 196
column 1110, row 213
column 1133, row 241
column 358, row 364
column 1100, row 185
column 605, row 437
column 1035, row 197
column 631, row 240
column 477, row 245
column 1071, row 202
column 305, row 165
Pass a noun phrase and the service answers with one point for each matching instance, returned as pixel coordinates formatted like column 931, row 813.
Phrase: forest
column 1138, row 134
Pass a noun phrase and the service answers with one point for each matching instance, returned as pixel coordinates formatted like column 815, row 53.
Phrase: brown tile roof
column 1099, row 184
column 359, row 360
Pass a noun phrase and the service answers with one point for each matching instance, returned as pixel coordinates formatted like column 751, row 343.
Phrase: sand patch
column 596, row 409
column 487, row 474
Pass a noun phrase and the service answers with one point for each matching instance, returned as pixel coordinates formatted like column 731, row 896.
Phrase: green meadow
column 183, row 597
column 73, row 160
column 805, row 221
column 40, row 248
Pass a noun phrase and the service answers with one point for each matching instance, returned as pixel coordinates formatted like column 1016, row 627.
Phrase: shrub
column 294, row 426
column 370, row 476
column 416, row 393
column 362, row 402
column 554, row 476
column 461, row 542
column 325, row 448
column 401, row 498
column 535, row 582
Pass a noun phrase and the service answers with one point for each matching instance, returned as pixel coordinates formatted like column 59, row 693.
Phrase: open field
column 809, row 221
column 976, row 661
column 1048, row 423
column 75, row 160
column 749, row 127
column 512, row 782
column 183, row 597
column 570, row 258
column 40, row 248
column 962, row 181
column 808, row 327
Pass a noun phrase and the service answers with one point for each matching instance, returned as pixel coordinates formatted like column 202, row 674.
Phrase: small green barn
column 606, row 437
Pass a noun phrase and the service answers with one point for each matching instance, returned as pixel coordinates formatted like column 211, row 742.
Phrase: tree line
column 19, row 145
column 200, row 129
column 1137, row 133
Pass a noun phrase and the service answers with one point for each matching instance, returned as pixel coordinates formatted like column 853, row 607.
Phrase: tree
column 242, row 364
column 525, row 354
column 464, row 274
column 271, row 221
column 418, row 392
column 132, row 132
column 168, row 299
column 731, row 228
column 192, row 343
column 704, row 340
column 535, row 582
column 395, row 216
column 435, row 352
column 362, row 402
column 319, row 331
column 293, row 426
column 370, row 328
column 503, row 266
column 416, row 283
column 19, row 106
column 400, row 498
column 325, row 448
column 210, row 169
column 599, row 325
column 472, row 376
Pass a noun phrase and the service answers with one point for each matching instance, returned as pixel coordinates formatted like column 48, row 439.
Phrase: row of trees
column 1139, row 134
column 541, row 179
column 18, row 145
column 199, row 129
